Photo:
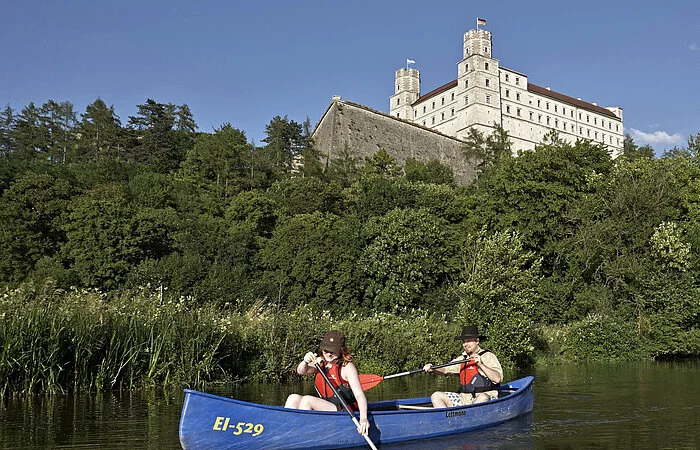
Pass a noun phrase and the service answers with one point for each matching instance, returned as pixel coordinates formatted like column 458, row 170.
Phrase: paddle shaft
column 411, row 372
column 345, row 405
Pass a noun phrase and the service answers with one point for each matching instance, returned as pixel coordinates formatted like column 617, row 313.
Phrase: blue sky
column 244, row 62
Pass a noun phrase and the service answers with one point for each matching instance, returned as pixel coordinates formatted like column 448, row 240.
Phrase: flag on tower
column 410, row 61
column 480, row 21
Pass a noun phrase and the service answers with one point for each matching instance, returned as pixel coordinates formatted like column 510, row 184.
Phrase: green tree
column 306, row 195
column 220, row 161
column 497, row 290
column 405, row 259
column 31, row 213
column 311, row 258
column 343, row 168
column 383, row 164
column 31, row 135
column 7, row 125
column 630, row 150
column 285, row 143
column 488, row 150
column 107, row 236
column 431, row 172
column 155, row 142
column 60, row 121
column 99, row 130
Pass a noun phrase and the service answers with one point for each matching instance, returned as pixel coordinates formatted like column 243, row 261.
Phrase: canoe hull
column 210, row 421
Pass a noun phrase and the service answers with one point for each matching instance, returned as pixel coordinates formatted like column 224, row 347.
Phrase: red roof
column 570, row 100
column 442, row 88
column 535, row 90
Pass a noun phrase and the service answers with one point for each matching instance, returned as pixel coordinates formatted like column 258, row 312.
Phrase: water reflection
column 646, row 405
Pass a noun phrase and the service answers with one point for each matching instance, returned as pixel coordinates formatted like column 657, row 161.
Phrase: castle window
column 424, row 123
column 487, row 82
column 415, row 113
column 442, row 116
column 556, row 123
column 547, row 120
column 466, row 67
column 453, row 97
column 486, row 65
column 572, row 113
column 564, row 126
column 595, row 121
column 588, row 118
column 517, row 96
column 603, row 137
column 538, row 103
column 547, row 105
column 563, row 110
column 466, row 99
column 486, row 50
column 508, row 109
column 433, row 120
column 398, row 101
column 488, row 99
column 452, row 112
column 555, row 108
column 517, row 111
column 443, row 100
column 539, row 118
column 580, row 130
column 596, row 135
column 466, row 83
column 602, row 123
column 433, row 105
column 423, row 109
column 397, row 88
column 507, row 92
column 506, row 77
column 588, row 132
column 530, row 115
column 398, row 115
column 579, row 116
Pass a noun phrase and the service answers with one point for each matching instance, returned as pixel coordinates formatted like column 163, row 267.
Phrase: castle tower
column 478, row 84
column 407, row 91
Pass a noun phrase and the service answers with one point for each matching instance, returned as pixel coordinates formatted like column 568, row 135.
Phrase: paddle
column 345, row 405
column 368, row 380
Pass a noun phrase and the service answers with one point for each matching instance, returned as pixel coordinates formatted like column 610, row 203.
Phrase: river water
column 640, row 405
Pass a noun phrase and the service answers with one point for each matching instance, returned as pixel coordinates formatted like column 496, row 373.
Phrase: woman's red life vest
column 334, row 374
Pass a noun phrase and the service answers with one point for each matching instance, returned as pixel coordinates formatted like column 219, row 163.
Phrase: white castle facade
column 484, row 93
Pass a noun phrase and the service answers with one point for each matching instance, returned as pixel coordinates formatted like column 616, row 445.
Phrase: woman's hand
column 363, row 428
column 310, row 358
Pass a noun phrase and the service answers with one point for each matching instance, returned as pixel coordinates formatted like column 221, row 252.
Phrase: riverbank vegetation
column 153, row 254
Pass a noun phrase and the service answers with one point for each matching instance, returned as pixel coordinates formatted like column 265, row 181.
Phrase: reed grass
column 55, row 341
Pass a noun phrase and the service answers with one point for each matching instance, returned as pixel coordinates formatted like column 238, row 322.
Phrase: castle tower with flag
column 485, row 93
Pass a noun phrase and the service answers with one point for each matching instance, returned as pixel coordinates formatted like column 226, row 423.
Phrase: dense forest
column 150, row 253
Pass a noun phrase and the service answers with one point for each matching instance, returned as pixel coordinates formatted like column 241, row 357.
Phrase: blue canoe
column 210, row 421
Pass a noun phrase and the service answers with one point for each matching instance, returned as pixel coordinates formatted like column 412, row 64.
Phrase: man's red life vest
column 472, row 381
column 335, row 376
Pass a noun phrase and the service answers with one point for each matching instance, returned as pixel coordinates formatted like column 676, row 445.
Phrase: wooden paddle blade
column 370, row 380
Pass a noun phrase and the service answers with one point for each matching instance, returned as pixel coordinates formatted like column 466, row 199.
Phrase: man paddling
column 480, row 375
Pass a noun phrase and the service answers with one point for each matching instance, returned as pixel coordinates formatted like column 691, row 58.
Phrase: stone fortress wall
column 365, row 131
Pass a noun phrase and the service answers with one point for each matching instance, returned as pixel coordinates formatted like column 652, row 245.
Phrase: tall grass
column 57, row 341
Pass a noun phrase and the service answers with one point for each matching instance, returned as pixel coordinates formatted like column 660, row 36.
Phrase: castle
column 484, row 93
column 433, row 126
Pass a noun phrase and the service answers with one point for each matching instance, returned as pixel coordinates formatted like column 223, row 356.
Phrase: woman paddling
column 336, row 362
